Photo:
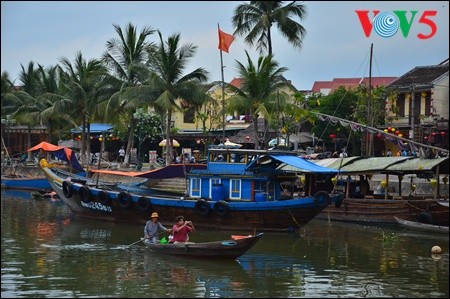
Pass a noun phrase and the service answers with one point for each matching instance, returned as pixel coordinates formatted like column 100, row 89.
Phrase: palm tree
column 29, row 79
column 82, row 86
column 168, row 62
column 43, row 109
column 256, row 20
column 125, row 56
column 10, row 100
column 259, row 85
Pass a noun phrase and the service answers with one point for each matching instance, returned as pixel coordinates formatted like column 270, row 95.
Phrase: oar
column 140, row 240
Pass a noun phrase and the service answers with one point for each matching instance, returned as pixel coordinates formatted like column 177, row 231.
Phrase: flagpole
column 223, row 93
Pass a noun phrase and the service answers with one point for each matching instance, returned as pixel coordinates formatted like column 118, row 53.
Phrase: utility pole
column 413, row 111
column 369, row 108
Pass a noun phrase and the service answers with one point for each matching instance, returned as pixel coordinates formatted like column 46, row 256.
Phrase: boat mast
column 223, row 96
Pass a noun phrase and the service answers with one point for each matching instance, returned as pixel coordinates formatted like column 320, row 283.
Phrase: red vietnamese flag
column 225, row 40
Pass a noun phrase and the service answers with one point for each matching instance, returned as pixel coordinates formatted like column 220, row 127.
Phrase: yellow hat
column 154, row 215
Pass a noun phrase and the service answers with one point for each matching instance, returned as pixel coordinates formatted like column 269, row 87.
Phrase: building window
column 401, row 105
column 189, row 115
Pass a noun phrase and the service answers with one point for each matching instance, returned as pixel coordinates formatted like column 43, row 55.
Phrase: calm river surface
column 47, row 252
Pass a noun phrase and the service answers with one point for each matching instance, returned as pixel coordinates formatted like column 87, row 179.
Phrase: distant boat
column 39, row 182
column 25, row 182
column 225, row 249
column 422, row 226
column 237, row 189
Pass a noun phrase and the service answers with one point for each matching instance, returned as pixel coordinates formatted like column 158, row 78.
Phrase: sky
column 335, row 44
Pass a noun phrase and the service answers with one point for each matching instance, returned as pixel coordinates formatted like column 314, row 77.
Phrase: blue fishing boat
column 23, row 182
column 238, row 189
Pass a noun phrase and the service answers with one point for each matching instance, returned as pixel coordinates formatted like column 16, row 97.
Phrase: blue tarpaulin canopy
column 95, row 128
column 303, row 165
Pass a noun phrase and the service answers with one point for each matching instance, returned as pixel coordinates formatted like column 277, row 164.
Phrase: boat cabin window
column 196, row 186
column 213, row 157
column 235, row 189
column 215, row 181
column 230, row 157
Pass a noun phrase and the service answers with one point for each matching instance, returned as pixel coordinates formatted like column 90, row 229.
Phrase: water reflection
column 47, row 252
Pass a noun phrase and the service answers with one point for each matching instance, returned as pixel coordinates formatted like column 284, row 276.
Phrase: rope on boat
column 293, row 218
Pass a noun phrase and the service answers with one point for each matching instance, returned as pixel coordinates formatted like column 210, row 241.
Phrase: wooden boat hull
column 384, row 211
column 283, row 215
column 422, row 226
column 226, row 249
column 25, row 183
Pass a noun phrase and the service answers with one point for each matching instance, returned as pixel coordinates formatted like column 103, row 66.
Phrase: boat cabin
column 248, row 175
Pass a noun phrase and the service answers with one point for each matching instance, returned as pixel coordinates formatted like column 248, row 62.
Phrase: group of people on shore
column 179, row 232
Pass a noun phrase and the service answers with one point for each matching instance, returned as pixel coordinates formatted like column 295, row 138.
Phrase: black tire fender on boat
column 103, row 197
column 221, row 208
column 124, row 200
column 424, row 217
column 67, row 189
column 321, row 196
column 144, row 204
column 339, row 200
column 202, row 207
column 84, row 193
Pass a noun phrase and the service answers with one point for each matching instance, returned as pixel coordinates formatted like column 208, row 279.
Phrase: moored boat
column 25, row 182
column 224, row 249
column 422, row 226
column 238, row 190
column 377, row 201
column 16, row 179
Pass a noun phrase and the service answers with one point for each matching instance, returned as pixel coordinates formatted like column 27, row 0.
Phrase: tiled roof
column 348, row 83
column 236, row 82
column 318, row 86
column 241, row 136
column 422, row 76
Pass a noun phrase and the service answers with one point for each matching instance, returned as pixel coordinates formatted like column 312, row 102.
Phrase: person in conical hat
column 153, row 228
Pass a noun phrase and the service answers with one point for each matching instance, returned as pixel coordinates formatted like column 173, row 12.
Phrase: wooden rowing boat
column 225, row 249
column 422, row 226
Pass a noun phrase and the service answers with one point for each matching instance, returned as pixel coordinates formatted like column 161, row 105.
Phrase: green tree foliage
column 255, row 20
column 260, row 83
column 169, row 82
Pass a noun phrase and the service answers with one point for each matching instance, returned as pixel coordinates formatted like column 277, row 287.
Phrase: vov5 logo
column 386, row 24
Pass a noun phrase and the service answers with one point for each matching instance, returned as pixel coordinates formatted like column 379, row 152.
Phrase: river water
column 48, row 252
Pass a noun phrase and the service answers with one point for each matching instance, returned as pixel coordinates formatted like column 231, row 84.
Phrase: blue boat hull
column 90, row 201
column 26, row 183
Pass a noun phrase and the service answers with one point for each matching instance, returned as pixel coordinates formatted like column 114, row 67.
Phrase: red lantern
column 425, row 137
column 397, row 132
column 332, row 135
column 433, row 134
column 379, row 135
column 247, row 137
column 443, row 134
